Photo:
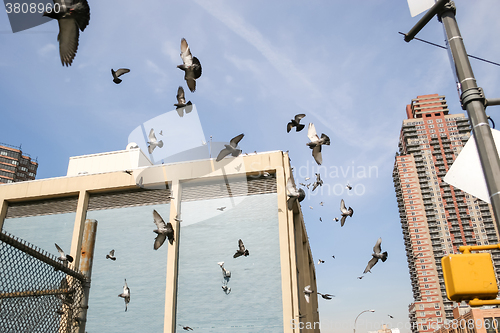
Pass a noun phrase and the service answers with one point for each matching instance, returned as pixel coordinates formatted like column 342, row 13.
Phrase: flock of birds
column 73, row 18
column 299, row 194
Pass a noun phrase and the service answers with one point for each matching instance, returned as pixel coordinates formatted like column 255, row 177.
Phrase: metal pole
column 473, row 101
column 424, row 20
column 358, row 317
column 87, row 256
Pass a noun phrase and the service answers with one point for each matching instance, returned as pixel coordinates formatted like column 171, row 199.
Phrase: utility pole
column 471, row 96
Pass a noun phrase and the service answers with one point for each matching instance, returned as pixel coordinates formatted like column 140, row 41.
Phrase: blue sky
column 342, row 63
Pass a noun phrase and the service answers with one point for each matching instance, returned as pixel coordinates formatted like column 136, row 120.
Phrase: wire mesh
column 37, row 292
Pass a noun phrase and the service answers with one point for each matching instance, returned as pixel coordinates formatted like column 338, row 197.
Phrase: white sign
column 466, row 172
column 419, row 6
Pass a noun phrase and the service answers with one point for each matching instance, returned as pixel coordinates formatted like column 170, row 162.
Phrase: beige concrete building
column 211, row 205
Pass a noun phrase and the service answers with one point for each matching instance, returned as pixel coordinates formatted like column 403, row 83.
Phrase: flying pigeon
column 221, row 208
column 65, row 258
column 241, row 250
column 225, row 272
column 153, row 143
column 318, row 182
column 316, row 143
column 320, row 261
column 164, row 230
column 307, row 292
column 72, row 17
column 295, row 123
column 333, row 257
column 111, row 255
column 336, row 219
column 360, row 277
column 293, row 193
column 320, row 219
column 118, row 73
column 125, row 294
column 391, row 316
column 231, row 148
column 345, row 212
column 326, row 296
column 321, row 203
column 349, row 187
column 191, row 66
column 307, row 178
column 311, row 207
column 226, row 289
column 181, row 102
column 186, row 328
column 377, row 249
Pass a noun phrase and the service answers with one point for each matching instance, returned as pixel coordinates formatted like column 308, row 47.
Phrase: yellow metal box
column 468, row 276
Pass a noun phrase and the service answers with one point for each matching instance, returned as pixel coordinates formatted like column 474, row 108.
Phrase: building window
column 491, row 324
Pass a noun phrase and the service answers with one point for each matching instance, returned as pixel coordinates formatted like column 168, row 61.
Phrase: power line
column 444, row 47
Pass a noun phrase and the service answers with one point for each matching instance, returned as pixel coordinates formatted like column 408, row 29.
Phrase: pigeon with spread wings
column 318, row 182
column 125, row 294
column 72, row 16
column 345, row 212
column 181, row 102
column 241, row 250
column 165, row 230
column 231, row 148
column 65, row 258
column 377, row 249
column 118, row 73
column 326, row 296
column 307, row 292
column 316, row 143
column 190, row 65
column 111, row 255
column 295, row 123
column 153, row 142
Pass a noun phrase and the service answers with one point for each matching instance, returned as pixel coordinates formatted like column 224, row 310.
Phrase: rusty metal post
column 86, row 259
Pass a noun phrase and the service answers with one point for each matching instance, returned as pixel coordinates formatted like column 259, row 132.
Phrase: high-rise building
column 16, row 166
column 436, row 218
column 213, row 207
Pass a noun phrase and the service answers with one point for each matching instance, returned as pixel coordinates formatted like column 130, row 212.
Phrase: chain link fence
column 37, row 292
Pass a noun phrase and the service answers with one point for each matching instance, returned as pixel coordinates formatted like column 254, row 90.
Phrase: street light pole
column 472, row 99
column 358, row 317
